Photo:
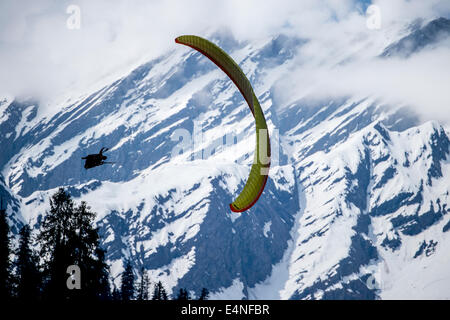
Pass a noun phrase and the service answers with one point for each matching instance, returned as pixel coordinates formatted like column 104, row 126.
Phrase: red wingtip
column 254, row 201
column 234, row 209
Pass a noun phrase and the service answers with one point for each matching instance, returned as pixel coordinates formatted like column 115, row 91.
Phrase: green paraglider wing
column 261, row 163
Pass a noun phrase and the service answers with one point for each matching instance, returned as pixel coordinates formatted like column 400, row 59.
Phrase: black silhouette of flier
column 95, row 160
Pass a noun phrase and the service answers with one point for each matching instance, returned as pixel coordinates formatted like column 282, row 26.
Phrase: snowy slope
column 370, row 204
column 355, row 207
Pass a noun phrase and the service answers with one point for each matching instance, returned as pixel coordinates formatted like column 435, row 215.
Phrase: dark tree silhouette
column 5, row 250
column 101, row 270
column 143, row 287
column 67, row 237
column 183, row 294
column 127, row 286
column 28, row 277
column 84, row 240
column 204, row 294
column 159, row 293
column 116, row 294
column 55, row 248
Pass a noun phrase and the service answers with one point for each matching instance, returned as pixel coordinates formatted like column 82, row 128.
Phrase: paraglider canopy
column 260, row 168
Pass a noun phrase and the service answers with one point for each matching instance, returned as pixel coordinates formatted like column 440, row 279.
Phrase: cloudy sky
column 42, row 55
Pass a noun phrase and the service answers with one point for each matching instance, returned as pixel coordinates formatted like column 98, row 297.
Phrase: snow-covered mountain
column 355, row 206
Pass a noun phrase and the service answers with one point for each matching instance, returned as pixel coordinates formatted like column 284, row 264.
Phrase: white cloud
column 323, row 69
column 40, row 56
column 405, row 11
column 421, row 81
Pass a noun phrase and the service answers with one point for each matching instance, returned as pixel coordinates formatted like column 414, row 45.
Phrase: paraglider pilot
column 94, row 160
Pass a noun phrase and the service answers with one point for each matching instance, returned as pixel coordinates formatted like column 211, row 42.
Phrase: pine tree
column 5, row 263
column 127, row 286
column 27, row 271
column 55, row 250
column 84, row 240
column 143, row 287
column 116, row 294
column 183, row 294
column 204, row 294
column 101, row 270
column 159, row 293
column 68, row 237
